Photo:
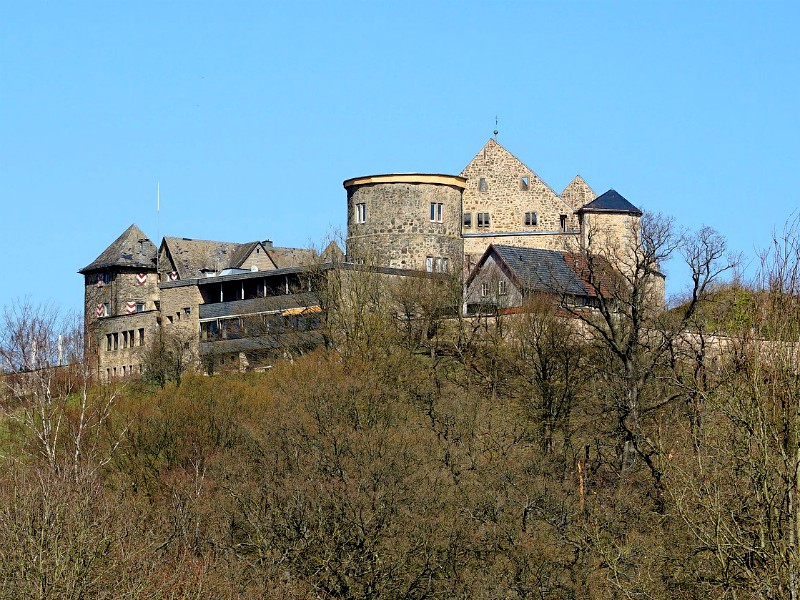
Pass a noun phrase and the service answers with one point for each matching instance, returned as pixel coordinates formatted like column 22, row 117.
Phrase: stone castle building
column 231, row 305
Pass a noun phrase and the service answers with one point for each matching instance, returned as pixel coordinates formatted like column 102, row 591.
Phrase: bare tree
column 629, row 327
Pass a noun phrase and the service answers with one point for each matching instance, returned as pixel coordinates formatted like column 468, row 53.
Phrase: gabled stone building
column 237, row 305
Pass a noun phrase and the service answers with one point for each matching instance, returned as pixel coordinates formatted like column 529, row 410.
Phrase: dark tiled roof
column 611, row 201
column 241, row 253
column 542, row 270
column 191, row 257
column 132, row 250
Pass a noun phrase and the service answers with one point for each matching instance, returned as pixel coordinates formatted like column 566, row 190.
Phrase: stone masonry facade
column 407, row 223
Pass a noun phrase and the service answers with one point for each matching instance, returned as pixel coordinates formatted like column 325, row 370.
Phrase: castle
column 237, row 306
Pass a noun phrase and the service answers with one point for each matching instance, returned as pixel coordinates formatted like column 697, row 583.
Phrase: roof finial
column 495, row 128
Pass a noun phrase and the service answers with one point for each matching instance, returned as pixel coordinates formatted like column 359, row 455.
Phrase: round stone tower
column 406, row 221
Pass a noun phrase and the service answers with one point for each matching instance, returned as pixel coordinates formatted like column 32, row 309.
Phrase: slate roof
column 611, row 201
column 132, row 250
column 191, row 257
column 542, row 270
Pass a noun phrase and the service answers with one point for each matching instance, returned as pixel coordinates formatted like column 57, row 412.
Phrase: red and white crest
column 101, row 310
column 173, row 276
column 141, row 278
column 130, row 307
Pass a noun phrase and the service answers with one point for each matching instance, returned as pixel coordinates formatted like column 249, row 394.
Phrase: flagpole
column 158, row 227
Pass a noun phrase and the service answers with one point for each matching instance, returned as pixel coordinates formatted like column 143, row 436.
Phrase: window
column 141, row 337
column 108, row 342
column 531, row 218
column 116, row 341
column 563, row 222
column 467, row 219
column 436, row 212
column 429, row 264
column 124, row 339
column 484, row 289
column 439, row 265
column 131, row 338
column 482, row 185
column 483, row 219
column 140, row 307
column 444, row 265
column 524, row 183
column 169, row 319
column 361, row 212
column 502, row 288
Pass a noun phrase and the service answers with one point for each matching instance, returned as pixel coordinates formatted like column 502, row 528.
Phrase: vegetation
column 421, row 455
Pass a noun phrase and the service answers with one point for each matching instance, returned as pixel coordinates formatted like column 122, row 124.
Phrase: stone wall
column 499, row 184
column 121, row 342
column 397, row 230
column 180, row 316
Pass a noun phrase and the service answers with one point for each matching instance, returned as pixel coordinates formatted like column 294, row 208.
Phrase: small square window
column 531, row 218
column 524, row 183
column 482, row 185
column 467, row 219
column 483, row 219
column 140, row 307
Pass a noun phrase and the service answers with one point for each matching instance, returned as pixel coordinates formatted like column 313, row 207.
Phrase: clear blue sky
column 251, row 114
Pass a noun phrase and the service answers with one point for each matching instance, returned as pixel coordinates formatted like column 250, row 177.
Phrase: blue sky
column 251, row 114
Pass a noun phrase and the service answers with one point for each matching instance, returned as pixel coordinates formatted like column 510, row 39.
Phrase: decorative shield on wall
column 141, row 278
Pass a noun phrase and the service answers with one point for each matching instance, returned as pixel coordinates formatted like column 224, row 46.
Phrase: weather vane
column 495, row 128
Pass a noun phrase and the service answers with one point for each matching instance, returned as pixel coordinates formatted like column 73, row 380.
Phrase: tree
column 170, row 355
column 634, row 337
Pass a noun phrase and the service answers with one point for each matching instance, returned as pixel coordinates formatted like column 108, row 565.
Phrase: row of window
column 127, row 339
column 111, row 372
column 524, row 184
column 482, row 218
column 437, row 212
column 531, row 218
column 436, row 264
column 502, row 288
